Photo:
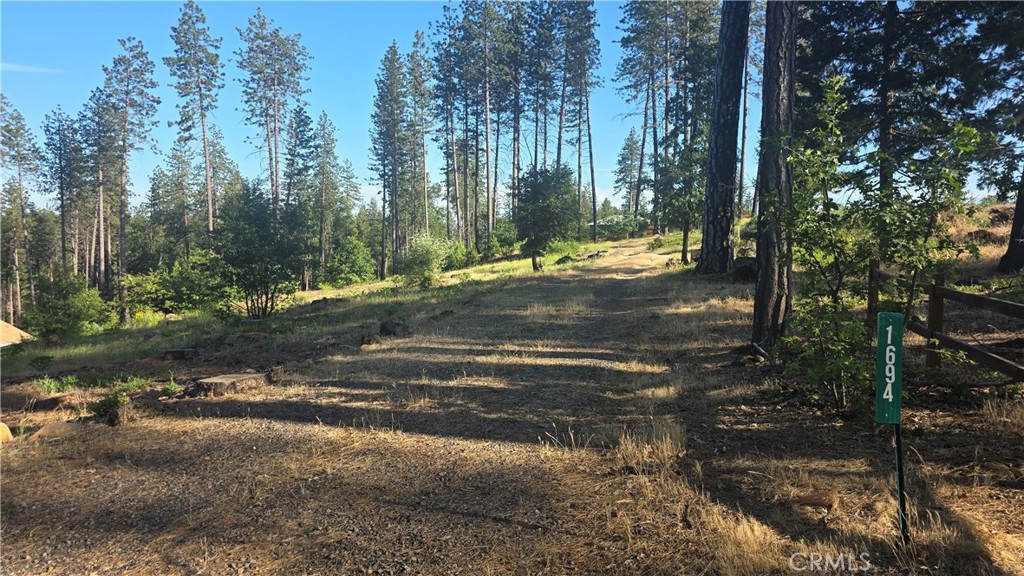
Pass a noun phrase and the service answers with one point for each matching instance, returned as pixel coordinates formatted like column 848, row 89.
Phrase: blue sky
column 53, row 53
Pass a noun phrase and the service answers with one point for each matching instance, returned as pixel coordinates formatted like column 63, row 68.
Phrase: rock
column 53, row 340
column 180, row 353
column 172, row 318
column 671, row 262
column 5, row 434
column 56, row 430
column 370, row 340
column 394, row 326
column 744, row 269
column 695, row 255
column 565, row 260
column 227, row 384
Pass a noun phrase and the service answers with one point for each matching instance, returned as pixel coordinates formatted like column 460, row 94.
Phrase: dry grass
column 587, row 420
column 1004, row 415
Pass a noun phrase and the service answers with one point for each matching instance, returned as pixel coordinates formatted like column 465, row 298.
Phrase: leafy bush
column 199, row 283
column 112, row 401
column 422, row 259
column 263, row 257
column 458, row 256
column 618, row 226
column 351, row 263
column 504, row 239
column 655, row 243
column 67, row 307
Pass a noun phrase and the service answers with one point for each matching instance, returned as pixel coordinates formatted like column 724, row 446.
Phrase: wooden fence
column 938, row 293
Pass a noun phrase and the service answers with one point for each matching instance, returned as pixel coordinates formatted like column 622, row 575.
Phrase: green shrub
column 54, row 386
column 420, row 264
column 199, row 283
column 655, row 243
column 41, row 362
column 131, row 384
column 458, row 256
column 112, row 401
column 503, row 241
column 564, row 247
column 351, row 263
column 67, row 307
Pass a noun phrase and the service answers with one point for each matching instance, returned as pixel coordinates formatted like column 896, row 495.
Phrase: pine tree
column 20, row 158
column 389, row 113
column 418, row 71
column 129, row 84
column 200, row 75
column 773, row 298
column 720, row 197
column 275, row 65
column 64, row 167
column 327, row 184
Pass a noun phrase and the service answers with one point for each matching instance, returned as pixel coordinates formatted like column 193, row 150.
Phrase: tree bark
column 719, row 201
column 656, row 184
column 773, row 295
column 640, row 168
column 590, row 153
column 743, row 135
column 1013, row 260
column 206, row 157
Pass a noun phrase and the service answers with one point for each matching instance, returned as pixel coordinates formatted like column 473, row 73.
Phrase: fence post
column 935, row 314
column 872, row 293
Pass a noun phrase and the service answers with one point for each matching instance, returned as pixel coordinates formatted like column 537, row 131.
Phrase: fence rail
column 938, row 293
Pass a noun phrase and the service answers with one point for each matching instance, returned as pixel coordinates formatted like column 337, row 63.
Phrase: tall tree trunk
column 773, row 295
column 24, row 238
column 476, row 183
column 579, row 165
column 465, row 178
column 75, row 242
column 90, row 263
column 643, row 144
column 885, row 101
column 656, row 186
column 8, row 296
column 590, row 154
column 719, row 201
column 122, row 235
column 516, row 152
column 275, row 196
column 1013, row 260
column 206, row 157
column 275, row 167
column 101, row 274
column 455, row 179
column 62, row 192
column 561, row 110
column 487, row 130
column 743, row 135
column 382, row 271
column 16, row 291
column 423, row 175
column 497, row 156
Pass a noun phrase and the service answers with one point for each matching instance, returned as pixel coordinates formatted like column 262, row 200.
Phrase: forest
column 478, row 361
column 882, row 114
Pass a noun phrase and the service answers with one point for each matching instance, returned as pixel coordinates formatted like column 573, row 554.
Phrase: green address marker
column 889, row 368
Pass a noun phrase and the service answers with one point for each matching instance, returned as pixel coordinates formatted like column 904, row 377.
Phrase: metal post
column 901, row 485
